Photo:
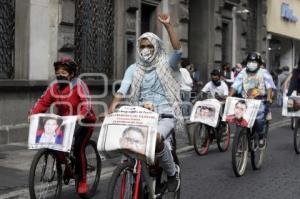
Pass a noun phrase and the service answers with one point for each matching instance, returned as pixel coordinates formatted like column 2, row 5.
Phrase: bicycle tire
column 223, row 138
column 33, row 169
column 293, row 123
column 94, row 185
column 124, row 167
column 296, row 137
column 257, row 154
column 201, row 139
column 240, row 143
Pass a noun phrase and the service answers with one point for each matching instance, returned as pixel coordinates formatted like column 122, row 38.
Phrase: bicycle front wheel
column 201, row 139
column 93, row 169
column 297, row 137
column 45, row 176
column 240, row 151
column 293, row 123
column 122, row 183
column 257, row 153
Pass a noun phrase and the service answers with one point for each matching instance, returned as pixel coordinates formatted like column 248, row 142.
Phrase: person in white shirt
column 216, row 88
column 228, row 75
column 185, row 90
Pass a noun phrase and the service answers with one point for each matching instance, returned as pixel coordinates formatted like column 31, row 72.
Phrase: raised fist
column 164, row 18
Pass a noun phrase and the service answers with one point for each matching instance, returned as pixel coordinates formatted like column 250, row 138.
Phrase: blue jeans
column 260, row 120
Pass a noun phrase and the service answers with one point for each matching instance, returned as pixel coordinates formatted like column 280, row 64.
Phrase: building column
column 22, row 22
column 41, row 36
column 201, row 36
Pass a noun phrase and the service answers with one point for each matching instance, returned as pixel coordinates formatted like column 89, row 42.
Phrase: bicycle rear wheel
column 93, row 169
column 223, row 137
column 297, row 137
column 45, row 176
column 122, row 182
column 201, row 139
column 240, row 151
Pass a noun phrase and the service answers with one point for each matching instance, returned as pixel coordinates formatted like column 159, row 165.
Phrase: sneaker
column 262, row 143
column 82, row 187
column 174, row 181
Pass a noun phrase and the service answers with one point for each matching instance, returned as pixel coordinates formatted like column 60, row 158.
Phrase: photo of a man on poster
column 50, row 131
column 238, row 116
column 293, row 104
column 205, row 112
column 133, row 139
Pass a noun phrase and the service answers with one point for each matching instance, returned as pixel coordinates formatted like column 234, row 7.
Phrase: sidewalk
column 15, row 159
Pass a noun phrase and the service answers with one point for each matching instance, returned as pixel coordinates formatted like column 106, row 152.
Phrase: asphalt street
column 212, row 177
column 206, row 177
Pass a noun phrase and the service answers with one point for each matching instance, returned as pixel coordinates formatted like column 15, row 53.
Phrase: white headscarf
column 159, row 62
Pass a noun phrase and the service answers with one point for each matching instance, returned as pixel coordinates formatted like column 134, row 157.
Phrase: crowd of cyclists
column 157, row 82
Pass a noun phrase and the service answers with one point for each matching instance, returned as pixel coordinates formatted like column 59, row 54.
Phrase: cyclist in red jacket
column 70, row 95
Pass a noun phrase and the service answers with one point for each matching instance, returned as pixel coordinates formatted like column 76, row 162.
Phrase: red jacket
column 233, row 120
column 74, row 99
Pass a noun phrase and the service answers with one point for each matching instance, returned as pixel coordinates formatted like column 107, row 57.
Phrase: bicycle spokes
column 45, row 177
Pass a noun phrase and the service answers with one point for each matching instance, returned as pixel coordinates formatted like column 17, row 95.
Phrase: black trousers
column 82, row 137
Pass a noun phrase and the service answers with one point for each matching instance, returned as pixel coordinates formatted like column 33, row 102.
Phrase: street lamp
column 234, row 13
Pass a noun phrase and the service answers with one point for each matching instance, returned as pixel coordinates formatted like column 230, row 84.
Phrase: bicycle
column 46, row 172
column 134, row 179
column 204, row 135
column 296, row 137
column 247, row 140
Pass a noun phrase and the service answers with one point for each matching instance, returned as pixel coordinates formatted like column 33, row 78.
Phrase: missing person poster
column 131, row 130
column 206, row 112
column 291, row 106
column 241, row 111
column 51, row 131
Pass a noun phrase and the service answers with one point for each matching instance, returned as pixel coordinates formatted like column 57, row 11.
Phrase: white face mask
column 146, row 54
column 252, row 66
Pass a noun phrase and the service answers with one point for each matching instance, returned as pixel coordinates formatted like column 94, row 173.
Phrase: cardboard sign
column 51, row 131
column 291, row 106
column 131, row 130
column 241, row 111
column 206, row 112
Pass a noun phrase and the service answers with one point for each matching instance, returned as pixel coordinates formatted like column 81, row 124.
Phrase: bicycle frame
column 140, row 169
column 138, row 179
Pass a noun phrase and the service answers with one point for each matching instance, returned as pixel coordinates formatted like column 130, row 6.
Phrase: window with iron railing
column 94, row 30
column 7, row 31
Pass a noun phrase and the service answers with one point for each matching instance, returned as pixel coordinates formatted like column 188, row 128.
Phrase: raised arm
column 165, row 20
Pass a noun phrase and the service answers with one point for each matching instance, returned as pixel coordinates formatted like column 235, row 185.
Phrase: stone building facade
column 99, row 34
column 211, row 32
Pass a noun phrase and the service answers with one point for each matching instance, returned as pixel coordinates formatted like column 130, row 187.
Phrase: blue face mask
column 252, row 66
